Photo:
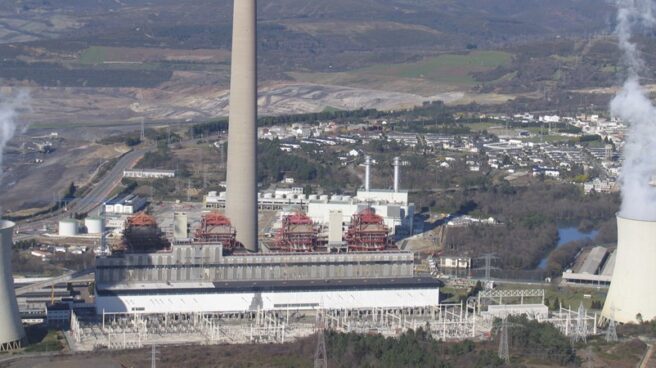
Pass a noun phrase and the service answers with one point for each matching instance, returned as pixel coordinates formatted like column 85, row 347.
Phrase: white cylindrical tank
column 94, row 225
column 12, row 334
column 323, row 197
column 68, row 227
column 268, row 195
column 631, row 296
column 313, row 197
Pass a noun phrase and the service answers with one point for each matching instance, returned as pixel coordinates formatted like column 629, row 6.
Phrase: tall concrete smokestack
column 367, row 173
column 631, row 294
column 397, row 178
column 241, row 196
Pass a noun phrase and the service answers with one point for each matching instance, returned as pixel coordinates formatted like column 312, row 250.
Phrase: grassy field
column 93, row 55
column 479, row 127
column 568, row 297
column 42, row 340
column 434, row 75
column 449, row 68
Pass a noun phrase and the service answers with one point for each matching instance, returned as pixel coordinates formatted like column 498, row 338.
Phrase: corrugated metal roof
column 594, row 260
column 610, row 264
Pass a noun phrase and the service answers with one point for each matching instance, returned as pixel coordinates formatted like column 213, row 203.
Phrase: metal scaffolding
column 576, row 324
column 268, row 327
column 444, row 322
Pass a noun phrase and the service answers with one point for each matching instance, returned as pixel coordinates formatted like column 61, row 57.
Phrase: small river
column 566, row 235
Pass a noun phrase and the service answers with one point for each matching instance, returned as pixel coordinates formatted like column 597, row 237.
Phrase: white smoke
column 10, row 106
column 633, row 106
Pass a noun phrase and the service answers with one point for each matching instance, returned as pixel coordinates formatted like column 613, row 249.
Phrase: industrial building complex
column 220, row 274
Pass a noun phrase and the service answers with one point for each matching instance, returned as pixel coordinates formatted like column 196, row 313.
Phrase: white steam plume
column 633, row 106
column 10, row 106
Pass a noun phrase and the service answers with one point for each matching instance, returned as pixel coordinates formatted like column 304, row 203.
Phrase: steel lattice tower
column 504, row 352
column 320, row 355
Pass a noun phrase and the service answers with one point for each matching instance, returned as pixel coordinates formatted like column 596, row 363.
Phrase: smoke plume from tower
column 633, row 106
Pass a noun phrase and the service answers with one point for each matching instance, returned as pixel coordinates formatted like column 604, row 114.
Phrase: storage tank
column 313, row 197
column 12, row 334
column 324, row 197
column 68, row 227
column 268, row 195
column 631, row 296
column 94, row 225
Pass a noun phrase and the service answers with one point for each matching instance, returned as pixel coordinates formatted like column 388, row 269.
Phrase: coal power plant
column 631, row 297
column 223, row 269
column 12, row 334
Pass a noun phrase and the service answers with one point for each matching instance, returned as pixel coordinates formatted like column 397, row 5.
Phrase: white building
column 126, row 205
column 148, row 174
column 392, row 206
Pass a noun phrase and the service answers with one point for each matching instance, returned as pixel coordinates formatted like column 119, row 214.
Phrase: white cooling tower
column 631, row 295
column 12, row 334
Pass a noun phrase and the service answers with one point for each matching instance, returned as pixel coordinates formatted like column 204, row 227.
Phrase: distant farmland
column 430, row 75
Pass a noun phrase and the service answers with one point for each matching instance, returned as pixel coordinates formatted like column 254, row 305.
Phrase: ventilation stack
column 397, row 175
column 631, row 296
column 367, row 173
column 12, row 334
column 241, row 196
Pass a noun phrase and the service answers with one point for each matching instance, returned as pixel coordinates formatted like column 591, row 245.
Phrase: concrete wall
column 189, row 263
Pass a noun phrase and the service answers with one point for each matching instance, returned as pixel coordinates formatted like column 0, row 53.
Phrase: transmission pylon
column 153, row 356
column 611, row 332
column 320, row 355
column 581, row 330
column 488, row 268
column 143, row 131
column 504, row 352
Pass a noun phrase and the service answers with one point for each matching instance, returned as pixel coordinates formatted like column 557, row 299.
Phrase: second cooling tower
column 631, row 296
column 12, row 334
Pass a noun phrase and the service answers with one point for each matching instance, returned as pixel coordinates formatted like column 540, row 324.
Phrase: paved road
column 91, row 200
column 38, row 286
column 103, row 189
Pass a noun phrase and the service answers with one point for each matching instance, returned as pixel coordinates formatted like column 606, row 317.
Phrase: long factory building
column 199, row 277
